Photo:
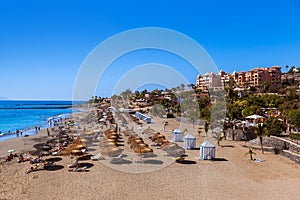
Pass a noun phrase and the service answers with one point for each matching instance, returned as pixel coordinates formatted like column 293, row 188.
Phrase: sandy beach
column 231, row 176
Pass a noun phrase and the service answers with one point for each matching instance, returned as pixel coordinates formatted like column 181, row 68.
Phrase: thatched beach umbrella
column 112, row 151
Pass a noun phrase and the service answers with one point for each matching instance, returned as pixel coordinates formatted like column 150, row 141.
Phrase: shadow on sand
column 121, row 162
column 55, row 159
column 91, row 149
column 86, row 157
column 86, row 164
column 230, row 146
column 219, row 159
column 187, row 162
column 153, row 162
column 53, row 167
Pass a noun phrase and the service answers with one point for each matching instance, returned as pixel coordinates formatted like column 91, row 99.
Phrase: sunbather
column 36, row 160
column 33, row 168
column 22, row 159
column 78, row 169
column 9, row 157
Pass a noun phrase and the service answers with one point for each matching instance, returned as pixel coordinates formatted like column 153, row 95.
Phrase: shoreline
column 31, row 130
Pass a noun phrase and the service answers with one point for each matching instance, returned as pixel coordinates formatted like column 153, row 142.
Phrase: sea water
column 26, row 115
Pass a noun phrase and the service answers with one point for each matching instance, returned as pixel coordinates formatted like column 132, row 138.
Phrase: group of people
column 10, row 157
column 39, row 166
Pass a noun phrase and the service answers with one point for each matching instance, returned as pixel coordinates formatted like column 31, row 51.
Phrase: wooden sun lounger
column 99, row 156
column 117, row 159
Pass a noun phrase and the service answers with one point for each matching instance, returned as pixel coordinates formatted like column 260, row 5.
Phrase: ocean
column 26, row 115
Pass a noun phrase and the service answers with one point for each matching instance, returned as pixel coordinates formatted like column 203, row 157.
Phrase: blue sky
column 44, row 43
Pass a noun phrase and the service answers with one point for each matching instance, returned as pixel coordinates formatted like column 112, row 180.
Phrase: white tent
column 189, row 142
column 255, row 117
column 177, row 135
column 207, row 151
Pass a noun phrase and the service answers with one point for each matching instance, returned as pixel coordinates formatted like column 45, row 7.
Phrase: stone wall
column 284, row 144
column 279, row 146
column 293, row 156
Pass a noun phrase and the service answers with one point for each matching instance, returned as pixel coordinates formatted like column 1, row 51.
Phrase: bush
column 295, row 136
column 170, row 115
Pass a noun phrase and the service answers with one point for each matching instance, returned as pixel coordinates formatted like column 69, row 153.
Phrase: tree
column 294, row 117
column 251, row 153
column 157, row 110
column 274, row 126
column 264, row 87
column 126, row 93
column 206, row 127
column 182, row 86
column 218, row 136
column 260, row 131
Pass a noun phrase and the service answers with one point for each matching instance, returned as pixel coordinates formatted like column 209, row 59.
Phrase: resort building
column 211, row 80
column 257, row 76
column 254, row 77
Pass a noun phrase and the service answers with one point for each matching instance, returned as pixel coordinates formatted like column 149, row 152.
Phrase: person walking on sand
column 48, row 132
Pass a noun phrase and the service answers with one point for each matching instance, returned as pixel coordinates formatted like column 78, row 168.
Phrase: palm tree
column 250, row 152
column 182, row 86
column 260, row 133
column 218, row 136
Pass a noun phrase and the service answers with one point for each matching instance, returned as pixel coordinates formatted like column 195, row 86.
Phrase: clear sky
column 44, row 43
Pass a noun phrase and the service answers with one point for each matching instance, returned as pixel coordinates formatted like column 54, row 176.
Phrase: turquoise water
column 25, row 115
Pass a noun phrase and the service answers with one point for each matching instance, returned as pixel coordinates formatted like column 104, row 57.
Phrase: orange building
column 254, row 77
column 257, row 76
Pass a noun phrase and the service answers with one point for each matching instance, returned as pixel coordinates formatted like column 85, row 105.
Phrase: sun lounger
column 74, row 164
column 56, row 153
column 117, row 159
column 99, row 156
column 138, row 160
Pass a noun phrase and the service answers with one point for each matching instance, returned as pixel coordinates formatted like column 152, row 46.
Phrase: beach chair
column 56, row 153
column 99, row 156
column 117, row 159
column 138, row 160
column 79, row 169
column 74, row 164
column 179, row 159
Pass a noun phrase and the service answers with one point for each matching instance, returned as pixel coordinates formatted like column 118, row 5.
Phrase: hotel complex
column 254, row 77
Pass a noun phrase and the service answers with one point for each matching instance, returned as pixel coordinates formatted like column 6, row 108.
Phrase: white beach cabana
column 189, row 142
column 207, row 151
column 177, row 135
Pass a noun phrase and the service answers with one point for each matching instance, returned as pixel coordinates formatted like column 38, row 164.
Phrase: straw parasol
column 111, row 151
column 74, row 148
